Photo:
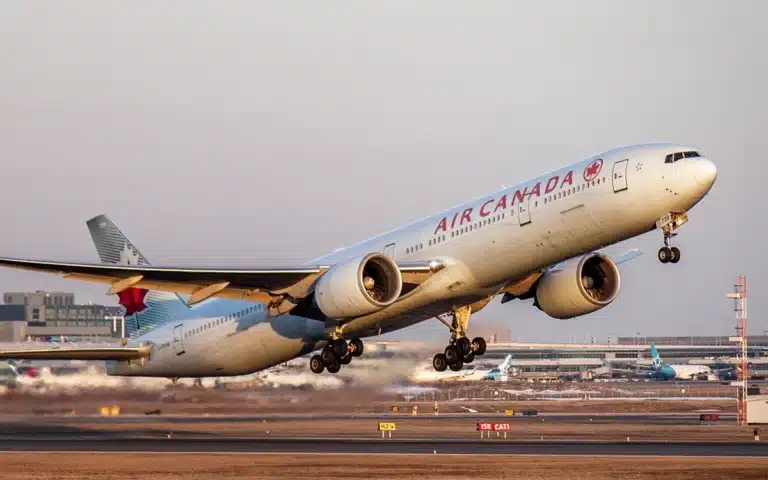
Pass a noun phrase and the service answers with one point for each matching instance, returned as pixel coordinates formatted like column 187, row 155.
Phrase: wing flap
column 101, row 353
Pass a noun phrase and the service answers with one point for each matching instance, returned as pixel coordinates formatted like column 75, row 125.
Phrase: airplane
column 468, row 374
column 540, row 240
column 665, row 371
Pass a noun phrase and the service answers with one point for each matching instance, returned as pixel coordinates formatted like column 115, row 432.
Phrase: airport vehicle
column 468, row 374
column 537, row 240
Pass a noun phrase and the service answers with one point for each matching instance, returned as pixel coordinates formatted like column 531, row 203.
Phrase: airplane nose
column 705, row 172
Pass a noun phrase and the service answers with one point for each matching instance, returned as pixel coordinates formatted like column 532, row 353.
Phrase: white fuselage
column 485, row 244
column 691, row 372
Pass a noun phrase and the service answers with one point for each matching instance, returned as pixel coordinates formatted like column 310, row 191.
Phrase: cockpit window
column 673, row 157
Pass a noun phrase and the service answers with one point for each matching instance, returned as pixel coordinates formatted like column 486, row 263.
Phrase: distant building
column 13, row 324
column 46, row 315
column 717, row 340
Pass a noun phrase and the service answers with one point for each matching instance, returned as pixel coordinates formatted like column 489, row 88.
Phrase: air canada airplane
column 536, row 240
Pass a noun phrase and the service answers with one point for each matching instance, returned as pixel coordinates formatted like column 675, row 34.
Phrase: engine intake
column 580, row 288
column 358, row 286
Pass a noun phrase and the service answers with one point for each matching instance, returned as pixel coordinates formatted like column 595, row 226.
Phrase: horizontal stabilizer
column 114, row 353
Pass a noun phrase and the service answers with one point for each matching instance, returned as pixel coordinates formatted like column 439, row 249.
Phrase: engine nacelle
column 358, row 286
column 581, row 287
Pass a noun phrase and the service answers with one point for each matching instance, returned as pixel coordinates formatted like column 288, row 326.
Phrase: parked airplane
column 659, row 370
column 512, row 243
column 428, row 375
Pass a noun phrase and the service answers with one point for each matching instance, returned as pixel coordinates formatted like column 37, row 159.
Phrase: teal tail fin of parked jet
column 144, row 309
column 539, row 239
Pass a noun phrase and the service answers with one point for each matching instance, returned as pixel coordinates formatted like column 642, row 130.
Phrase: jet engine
column 358, row 286
column 581, row 287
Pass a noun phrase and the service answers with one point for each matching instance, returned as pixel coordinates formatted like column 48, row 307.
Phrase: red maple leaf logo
column 133, row 300
column 593, row 170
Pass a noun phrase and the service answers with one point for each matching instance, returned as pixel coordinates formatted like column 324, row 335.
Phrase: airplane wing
column 257, row 284
column 618, row 260
column 97, row 353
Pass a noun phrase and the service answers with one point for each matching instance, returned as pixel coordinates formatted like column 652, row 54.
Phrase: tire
column 334, row 367
column 469, row 358
column 340, row 347
column 316, row 364
column 452, row 354
column 456, row 366
column 675, row 255
column 479, row 344
column 346, row 359
column 357, row 347
column 464, row 346
column 328, row 356
column 665, row 254
column 439, row 363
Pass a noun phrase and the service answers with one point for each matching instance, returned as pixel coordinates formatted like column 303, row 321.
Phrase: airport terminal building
column 552, row 361
column 41, row 316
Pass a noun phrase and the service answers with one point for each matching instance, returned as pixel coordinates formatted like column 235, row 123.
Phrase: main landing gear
column 460, row 350
column 337, row 353
column 668, row 224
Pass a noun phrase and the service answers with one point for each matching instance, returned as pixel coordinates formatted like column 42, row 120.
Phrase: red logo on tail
column 133, row 300
column 593, row 170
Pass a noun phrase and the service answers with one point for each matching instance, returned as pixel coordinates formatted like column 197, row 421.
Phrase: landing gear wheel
column 328, row 356
column 456, row 366
column 316, row 364
column 439, row 362
column 665, row 254
column 469, row 358
column 452, row 354
column 346, row 359
column 334, row 367
column 357, row 347
column 675, row 255
column 463, row 345
column 340, row 347
column 479, row 346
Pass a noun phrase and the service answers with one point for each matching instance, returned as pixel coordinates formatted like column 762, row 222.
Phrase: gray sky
column 273, row 132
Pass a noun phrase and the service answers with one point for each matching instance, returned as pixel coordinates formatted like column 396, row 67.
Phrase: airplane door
column 178, row 343
column 389, row 250
column 620, row 175
column 524, row 211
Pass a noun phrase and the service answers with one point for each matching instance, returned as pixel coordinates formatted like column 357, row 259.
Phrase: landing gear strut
column 460, row 349
column 668, row 224
column 337, row 353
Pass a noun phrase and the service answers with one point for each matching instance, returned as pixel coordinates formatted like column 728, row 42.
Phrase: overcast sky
column 273, row 132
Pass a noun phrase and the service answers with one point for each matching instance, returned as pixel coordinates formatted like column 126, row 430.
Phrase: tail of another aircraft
column 503, row 366
column 655, row 357
column 144, row 309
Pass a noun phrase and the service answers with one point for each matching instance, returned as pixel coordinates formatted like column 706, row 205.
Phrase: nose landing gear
column 460, row 349
column 668, row 224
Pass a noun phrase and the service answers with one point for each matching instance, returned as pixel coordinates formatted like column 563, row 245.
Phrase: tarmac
column 235, row 445
column 82, row 434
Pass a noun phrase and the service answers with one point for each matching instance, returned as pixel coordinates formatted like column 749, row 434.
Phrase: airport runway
column 651, row 418
column 378, row 446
